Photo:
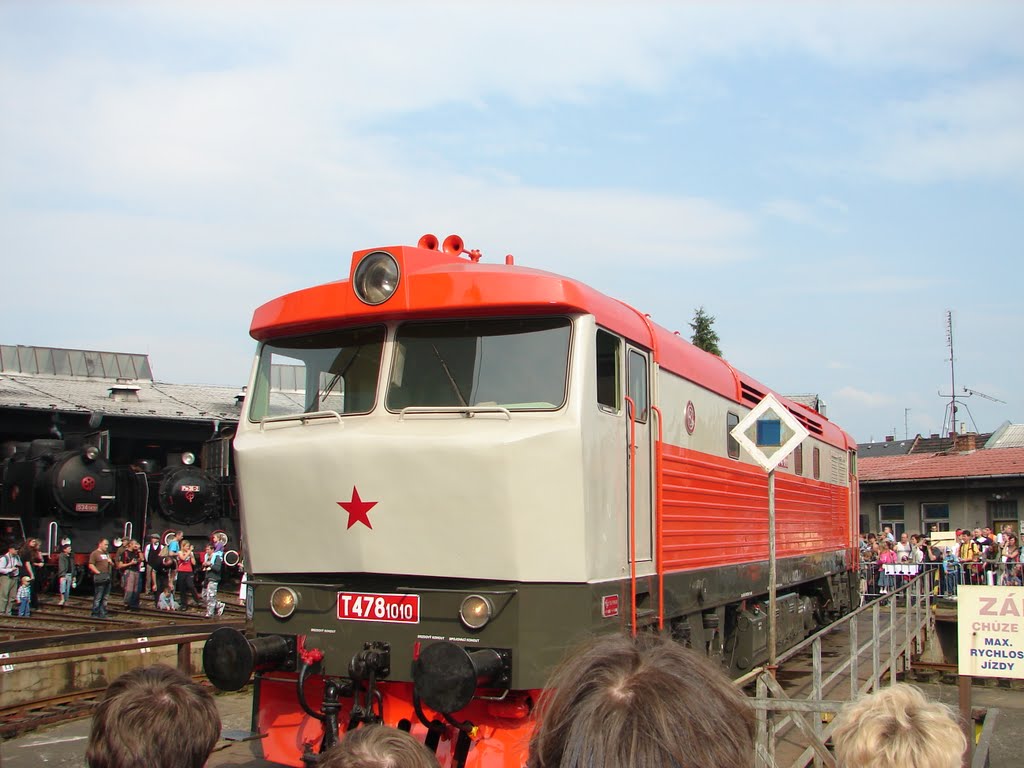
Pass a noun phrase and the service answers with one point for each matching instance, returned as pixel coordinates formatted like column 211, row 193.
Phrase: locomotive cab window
column 636, row 372
column 335, row 371
column 732, row 445
column 518, row 364
column 608, row 376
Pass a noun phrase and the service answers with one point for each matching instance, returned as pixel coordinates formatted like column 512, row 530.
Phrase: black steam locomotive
column 56, row 492
column 198, row 502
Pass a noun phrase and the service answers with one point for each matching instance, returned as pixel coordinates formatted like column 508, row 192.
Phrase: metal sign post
column 773, row 576
column 990, row 642
column 776, row 434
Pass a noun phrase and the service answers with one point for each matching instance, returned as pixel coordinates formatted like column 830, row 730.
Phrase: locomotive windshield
column 335, row 371
column 514, row 363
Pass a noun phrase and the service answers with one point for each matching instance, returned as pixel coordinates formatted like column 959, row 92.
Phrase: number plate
column 369, row 606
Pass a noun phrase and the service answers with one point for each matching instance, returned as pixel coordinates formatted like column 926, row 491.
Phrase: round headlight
column 188, row 458
column 376, row 277
column 283, row 602
column 90, row 453
column 476, row 611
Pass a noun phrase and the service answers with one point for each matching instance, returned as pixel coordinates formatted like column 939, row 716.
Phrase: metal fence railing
column 877, row 579
column 896, row 626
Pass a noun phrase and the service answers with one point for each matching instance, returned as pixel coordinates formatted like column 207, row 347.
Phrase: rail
column 878, row 578
column 19, row 653
column 47, row 704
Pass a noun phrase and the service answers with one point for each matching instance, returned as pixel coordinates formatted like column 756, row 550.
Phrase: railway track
column 28, row 716
column 53, row 619
column 44, row 655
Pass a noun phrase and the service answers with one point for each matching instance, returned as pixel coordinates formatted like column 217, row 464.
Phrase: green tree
column 704, row 335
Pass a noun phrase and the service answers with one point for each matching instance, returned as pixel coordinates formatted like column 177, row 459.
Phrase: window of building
column 1000, row 512
column 934, row 514
column 816, row 459
column 798, row 460
column 608, row 370
column 732, row 445
column 892, row 515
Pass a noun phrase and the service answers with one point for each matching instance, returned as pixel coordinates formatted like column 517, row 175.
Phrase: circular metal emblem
column 691, row 417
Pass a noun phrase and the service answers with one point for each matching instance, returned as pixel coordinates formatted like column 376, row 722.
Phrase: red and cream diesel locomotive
column 451, row 471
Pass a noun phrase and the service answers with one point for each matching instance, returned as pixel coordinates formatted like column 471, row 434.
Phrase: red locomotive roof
column 436, row 283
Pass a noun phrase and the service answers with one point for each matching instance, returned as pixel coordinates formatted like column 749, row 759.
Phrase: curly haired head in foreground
column 898, row 726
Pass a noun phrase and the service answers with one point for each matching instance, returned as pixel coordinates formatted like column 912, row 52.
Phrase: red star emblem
column 357, row 510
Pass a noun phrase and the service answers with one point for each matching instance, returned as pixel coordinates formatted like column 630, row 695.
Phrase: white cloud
column 169, row 167
column 824, row 213
column 862, row 397
column 968, row 130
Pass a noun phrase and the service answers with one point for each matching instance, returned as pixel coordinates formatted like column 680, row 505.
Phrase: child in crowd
column 166, row 601
column 25, row 597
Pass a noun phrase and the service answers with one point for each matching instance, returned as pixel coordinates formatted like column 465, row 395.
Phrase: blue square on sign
column 769, row 432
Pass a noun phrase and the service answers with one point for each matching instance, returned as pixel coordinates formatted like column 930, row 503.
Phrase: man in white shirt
column 10, row 571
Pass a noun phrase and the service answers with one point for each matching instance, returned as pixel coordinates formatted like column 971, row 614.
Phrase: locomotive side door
column 639, row 476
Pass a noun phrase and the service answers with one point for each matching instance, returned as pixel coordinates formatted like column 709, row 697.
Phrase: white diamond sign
column 769, row 456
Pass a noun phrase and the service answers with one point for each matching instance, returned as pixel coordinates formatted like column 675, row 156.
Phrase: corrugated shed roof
column 937, row 466
column 887, row 448
column 58, row 361
column 154, row 399
column 1007, row 436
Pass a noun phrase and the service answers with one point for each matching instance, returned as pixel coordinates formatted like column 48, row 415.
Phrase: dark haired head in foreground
column 617, row 702
column 378, row 746
column 155, row 717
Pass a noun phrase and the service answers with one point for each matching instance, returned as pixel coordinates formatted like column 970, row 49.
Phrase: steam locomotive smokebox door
column 188, row 495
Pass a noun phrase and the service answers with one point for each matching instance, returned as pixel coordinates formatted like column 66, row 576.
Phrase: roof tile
column 935, row 466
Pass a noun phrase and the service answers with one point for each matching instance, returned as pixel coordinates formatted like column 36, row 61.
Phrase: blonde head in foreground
column 898, row 726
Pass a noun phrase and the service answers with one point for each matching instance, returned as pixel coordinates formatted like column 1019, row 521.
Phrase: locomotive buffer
column 769, row 433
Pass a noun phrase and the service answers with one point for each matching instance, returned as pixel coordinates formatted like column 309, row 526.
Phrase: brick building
column 960, row 481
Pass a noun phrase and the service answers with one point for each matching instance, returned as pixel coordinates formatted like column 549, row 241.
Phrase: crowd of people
column 170, row 572
column 615, row 702
column 977, row 556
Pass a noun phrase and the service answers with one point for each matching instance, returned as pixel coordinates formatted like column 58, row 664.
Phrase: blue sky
column 827, row 180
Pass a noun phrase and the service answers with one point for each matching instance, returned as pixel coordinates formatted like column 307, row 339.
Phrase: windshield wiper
column 338, row 377
column 451, row 379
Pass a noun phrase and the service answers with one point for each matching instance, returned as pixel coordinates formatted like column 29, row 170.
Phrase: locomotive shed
column 152, row 443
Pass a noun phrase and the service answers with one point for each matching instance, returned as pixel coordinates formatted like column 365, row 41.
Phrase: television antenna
column 982, row 394
column 953, row 407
